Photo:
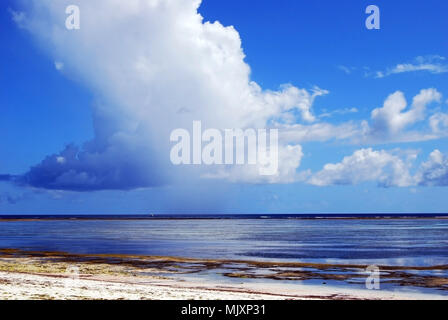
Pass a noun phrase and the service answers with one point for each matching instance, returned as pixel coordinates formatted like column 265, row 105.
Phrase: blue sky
column 306, row 44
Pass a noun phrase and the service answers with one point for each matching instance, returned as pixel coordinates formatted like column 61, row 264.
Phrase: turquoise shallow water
column 411, row 242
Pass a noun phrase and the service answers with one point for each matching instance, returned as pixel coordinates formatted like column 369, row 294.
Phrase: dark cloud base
column 80, row 170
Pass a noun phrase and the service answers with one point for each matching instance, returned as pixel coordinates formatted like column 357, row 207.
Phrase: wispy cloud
column 346, row 69
column 59, row 65
column 12, row 199
column 18, row 17
column 432, row 64
column 328, row 114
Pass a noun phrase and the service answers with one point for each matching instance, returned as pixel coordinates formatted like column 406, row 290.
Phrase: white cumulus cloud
column 366, row 165
column 289, row 156
column 153, row 66
column 433, row 172
column 392, row 118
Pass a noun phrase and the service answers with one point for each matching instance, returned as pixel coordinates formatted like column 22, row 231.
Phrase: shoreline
column 60, row 275
column 119, row 217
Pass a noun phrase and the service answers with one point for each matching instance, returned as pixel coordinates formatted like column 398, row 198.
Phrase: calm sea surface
column 410, row 242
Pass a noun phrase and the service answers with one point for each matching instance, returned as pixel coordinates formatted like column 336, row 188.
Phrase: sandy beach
column 20, row 286
column 48, row 276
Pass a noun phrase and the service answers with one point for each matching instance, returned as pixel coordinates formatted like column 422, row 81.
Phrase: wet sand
column 59, row 275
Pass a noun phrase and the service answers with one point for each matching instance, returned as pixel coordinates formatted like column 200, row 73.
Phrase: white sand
column 55, row 286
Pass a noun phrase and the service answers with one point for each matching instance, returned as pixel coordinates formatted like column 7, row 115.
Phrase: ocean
column 392, row 241
column 414, row 241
